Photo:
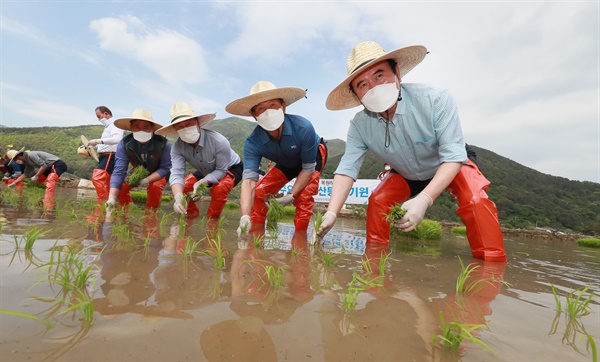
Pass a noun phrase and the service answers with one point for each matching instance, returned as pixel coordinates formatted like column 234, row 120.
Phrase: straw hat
column 12, row 154
column 89, row 150
column 361, row 57
column 181, row 112
column 264, row 91
column 137, row 114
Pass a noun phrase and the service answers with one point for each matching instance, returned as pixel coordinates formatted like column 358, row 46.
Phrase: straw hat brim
column 243, row 106
column 90, row 150
column 125, row 123
column 16, row 154
column 342, row 97
column 170, row 129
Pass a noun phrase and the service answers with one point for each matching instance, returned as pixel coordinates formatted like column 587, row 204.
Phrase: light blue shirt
column 424, row 133
column 212, row 157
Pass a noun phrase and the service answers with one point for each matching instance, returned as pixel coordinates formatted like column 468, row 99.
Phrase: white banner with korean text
column 359, row 194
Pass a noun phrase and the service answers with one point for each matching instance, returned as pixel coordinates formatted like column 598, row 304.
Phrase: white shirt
column 110, row 137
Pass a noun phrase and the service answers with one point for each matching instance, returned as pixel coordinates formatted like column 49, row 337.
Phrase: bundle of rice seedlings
column 135, row 178
column 275, row 210
column 396, row 213
column 318, row 221
column 202, row 190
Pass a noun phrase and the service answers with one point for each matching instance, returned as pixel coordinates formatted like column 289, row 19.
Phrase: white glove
column 178, row 205
column 11, row 185
column 326, row 224
column 111, row 202
column 5, row 177
column 245, row 225
column 415, row 212
column 94, row 142
column 144, row 182
column 34, row 178
column 285, row 199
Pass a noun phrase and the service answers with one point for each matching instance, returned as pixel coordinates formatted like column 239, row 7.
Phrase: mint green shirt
column 424, row 133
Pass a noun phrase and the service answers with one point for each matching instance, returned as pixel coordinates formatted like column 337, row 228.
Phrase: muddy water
column 152, row 302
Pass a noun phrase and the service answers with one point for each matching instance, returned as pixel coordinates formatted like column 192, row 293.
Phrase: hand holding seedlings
column 200, row 189
column 135, row 178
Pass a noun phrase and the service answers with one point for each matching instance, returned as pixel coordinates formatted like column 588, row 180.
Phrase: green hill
column 525, row 197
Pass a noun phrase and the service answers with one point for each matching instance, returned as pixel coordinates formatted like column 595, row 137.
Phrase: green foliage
column 232, row 205
column 459, row 230
column 454, row 333
column 427, row 229
column 589, row 242
column 396, row 213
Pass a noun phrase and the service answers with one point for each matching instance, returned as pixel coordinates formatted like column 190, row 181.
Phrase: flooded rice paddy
column 141, row 286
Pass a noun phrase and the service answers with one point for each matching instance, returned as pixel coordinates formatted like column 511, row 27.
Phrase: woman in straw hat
column 39, row 166
column 141, row 148
column 209, row 152
column 414, row 128
column 287, row 139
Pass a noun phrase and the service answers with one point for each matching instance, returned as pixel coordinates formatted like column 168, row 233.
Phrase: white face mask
column 271, row 119
column 142, row 136
column 19, row 162
column 103, row 121
column 189, row 134
column 381, row 98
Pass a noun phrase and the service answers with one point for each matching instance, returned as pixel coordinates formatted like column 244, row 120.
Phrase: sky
column 525, row 75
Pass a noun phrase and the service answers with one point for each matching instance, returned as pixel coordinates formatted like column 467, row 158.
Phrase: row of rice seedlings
column 454, row 333
column 10, row 197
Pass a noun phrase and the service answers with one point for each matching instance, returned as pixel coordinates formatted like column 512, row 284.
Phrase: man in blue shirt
column 288, row 140
column 415, row 129
column 141, row 148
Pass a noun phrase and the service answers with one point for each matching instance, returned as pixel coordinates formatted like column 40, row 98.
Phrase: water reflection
column 147, row 269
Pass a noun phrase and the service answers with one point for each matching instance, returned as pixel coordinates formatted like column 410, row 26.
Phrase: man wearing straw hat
column 39, row 166
column 209, row 152
column 414, row 128
column 141, row 148
column 288, row 140
column 107, row 146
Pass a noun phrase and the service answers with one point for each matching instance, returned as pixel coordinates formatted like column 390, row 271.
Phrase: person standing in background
column 107, row 147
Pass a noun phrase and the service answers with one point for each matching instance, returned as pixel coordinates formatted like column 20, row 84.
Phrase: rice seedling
column 589, row 242
column 26, row 315
column 135, row 178
column 258, row 241
column 590, row 344
column 349, row 299
column 459, row 230
column 30, row 237
column 454, row 333
column 274, row 274
column 383, row 261
column 318, row 220
column 232, row 205
column 202, row 190
column 216, row 251
column 328, row 258
column 576, row 302
column 275, row 212
column 73, row 215
column 463, row 283
column 297, row 253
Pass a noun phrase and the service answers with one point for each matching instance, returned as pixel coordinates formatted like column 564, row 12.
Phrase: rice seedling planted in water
column 577, row 302
column 454, row 333
column 26, row 315
column 135, row 178
column 463, row 284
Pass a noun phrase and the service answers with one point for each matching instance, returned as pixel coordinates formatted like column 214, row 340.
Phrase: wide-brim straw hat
column 12, row 154
column 181, row 112
column 361, row 57
column 89, row 149
column 137, row 114
column 264, row 91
